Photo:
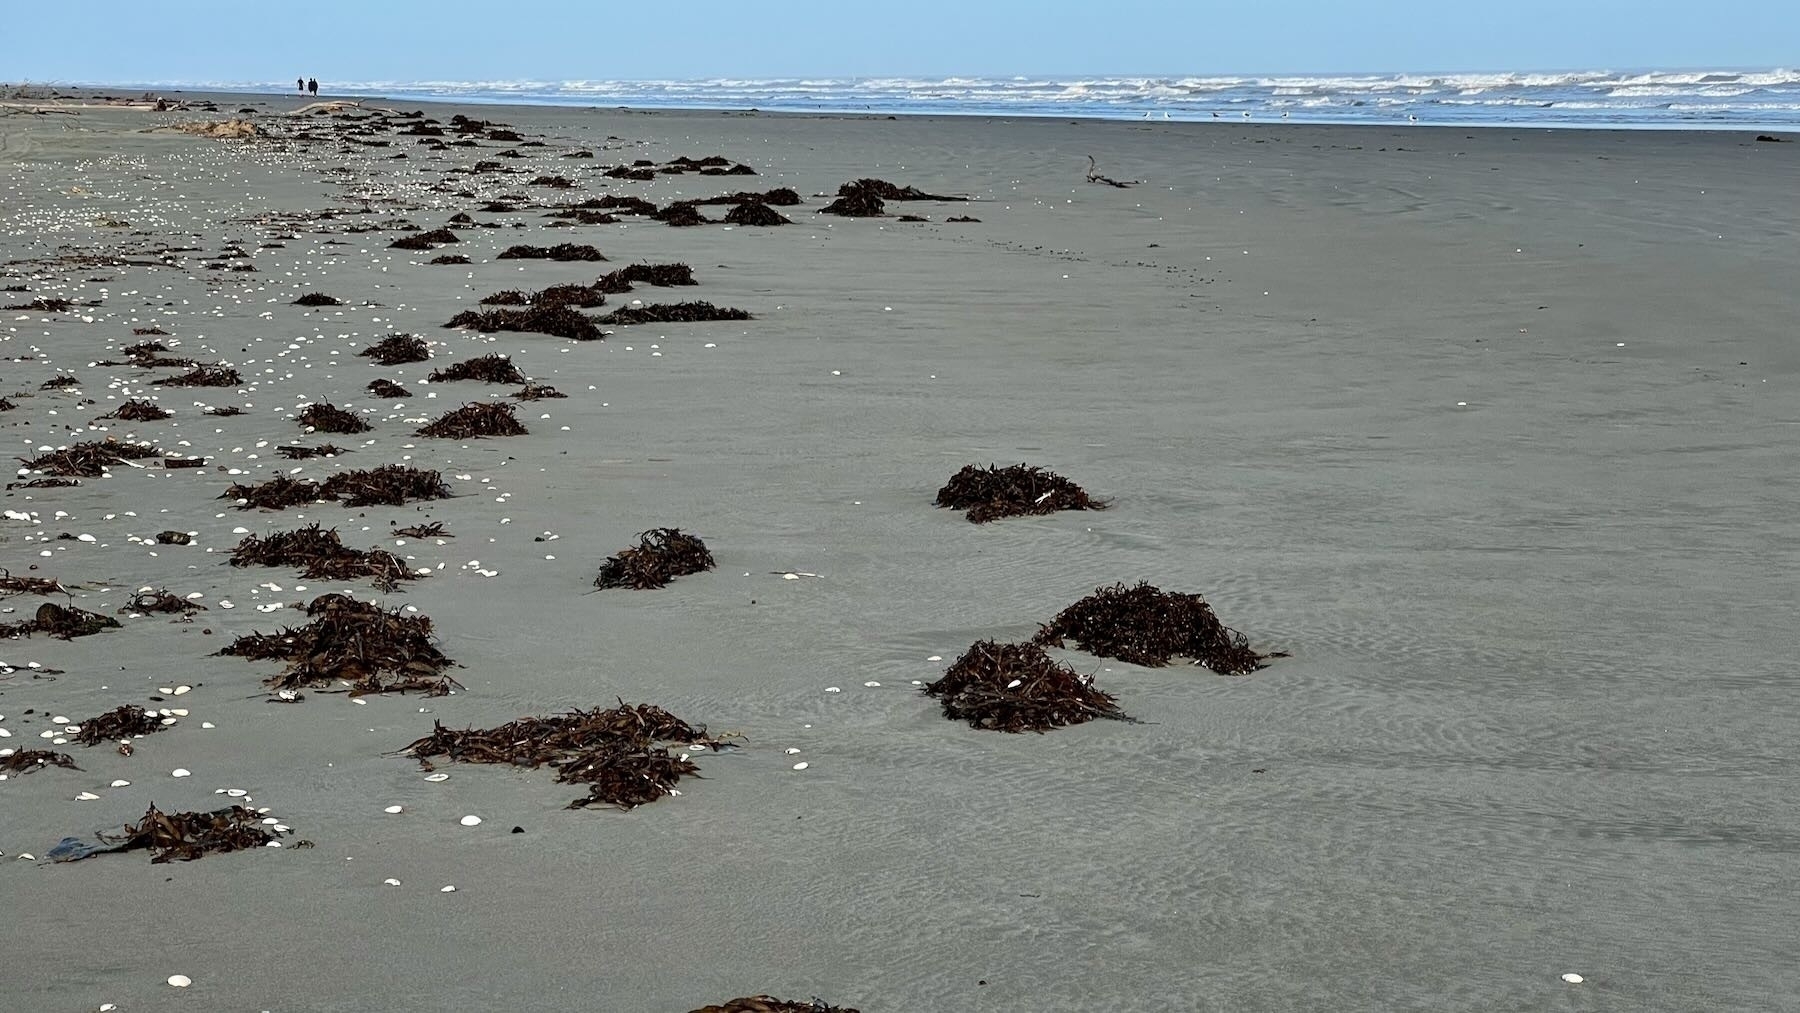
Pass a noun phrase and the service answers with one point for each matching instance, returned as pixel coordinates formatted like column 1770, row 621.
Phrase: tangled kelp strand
column 205, row 376
column 358, row 643
column 556, row 320
column 60, row 622
column 397, row 350
column 89, row 459
column 320, row 554
column 127, row 721
column 493, row 368
column 475, row 419
column 671, row 313
column 329, row 418
column 770, row 1004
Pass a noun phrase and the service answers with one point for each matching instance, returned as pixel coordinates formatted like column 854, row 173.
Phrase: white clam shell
column 180, row 980
column 470, row 821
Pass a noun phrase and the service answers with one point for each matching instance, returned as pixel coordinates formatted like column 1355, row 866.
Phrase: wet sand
column 1493, row 430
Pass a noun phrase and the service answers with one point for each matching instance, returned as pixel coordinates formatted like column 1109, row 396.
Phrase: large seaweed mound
column 671, row 313
column 1018, row 490
column 397, row 349
column 319, row 554
column 614, row 752
column 90, row 459
column 1146, row 625
column 554, row 319
column 661, row 555
column 1018, row 688
column 492, row 368
column 474, row 420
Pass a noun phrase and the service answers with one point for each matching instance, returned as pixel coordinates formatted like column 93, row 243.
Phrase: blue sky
column 472, row 40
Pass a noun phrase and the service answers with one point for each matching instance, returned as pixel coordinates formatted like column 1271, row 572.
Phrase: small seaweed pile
column 537, row 392
column 296, row 452
column 627, row 205
column 510, row 297
column 125, row 722
column 43, row 305
column 160, row 603
column 613, row 752
column 11, row 585
column 59, row 383
column 887, row 191
column 425, row 240
column 556, row 320
column 183, row 837
column 388, row 485
column 204, row 376
column 358, row 643
column 89, row 459
column 770, row 1004
column 139, row 411
column 1016, row 491
column 329, row 418
column 385, row 388
column 671, row 313
column 1018, row 688
column 475, row 419
column 61, row 623
column 661, row 555
column 660, row 275
column 318, row 299
column 25, row 761
column 681, row 214
column 320, row 554
column 450, row 258
column 859, row 204
column 397, row 350
column 579, row 296
column 493, row 368
column 778, row 197
column 1149, row 626
column 753, row 213
column 559, row 252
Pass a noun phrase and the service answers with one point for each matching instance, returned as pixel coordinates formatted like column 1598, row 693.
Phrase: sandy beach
column 1494, row 431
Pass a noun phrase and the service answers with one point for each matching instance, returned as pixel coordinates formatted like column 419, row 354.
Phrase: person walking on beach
column 300, row 85
column 312, row 85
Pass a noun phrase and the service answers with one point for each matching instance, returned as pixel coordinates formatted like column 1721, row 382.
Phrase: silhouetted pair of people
column 304, row 85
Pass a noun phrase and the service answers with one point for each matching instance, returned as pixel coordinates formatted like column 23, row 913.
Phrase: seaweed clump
column 1018, row 688
column 753, row 213
column 370, row 648
column 1146, row 625
column 888, row 191
column 559, row 252
column 320, row 554
column 486, row 368
column 660, row 275
column 61, row 623
column 671, row 313
column 770, row 1004
column 425, row 240
column 329, row 418
column 1016, row 491
column 614, row 752
column 554, row 319
column 318, row 299
column 449, row 258
column 89, row 459
column 139, row 411
column 473, row 420
column 388, row 485
column 397, row 350
column 661, row 555
column 126, row 722
column 183, row 837
column 25, row 761
column 385, row 388
column 204, row 376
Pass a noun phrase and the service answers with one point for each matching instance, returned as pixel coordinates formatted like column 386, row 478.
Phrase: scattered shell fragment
column 86, row 796
column 437, row 777
column 802, row 765
column 390, row 882
column 448, row 889
column 180, row 980
column 181, row 772
column 470, row 821
column 1573, row 978
column 391, row 809
column 120, row 783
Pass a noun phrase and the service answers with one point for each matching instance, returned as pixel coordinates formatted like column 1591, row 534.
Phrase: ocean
column 1741, row 99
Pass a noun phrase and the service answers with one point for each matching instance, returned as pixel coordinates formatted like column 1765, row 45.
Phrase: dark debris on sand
column 205, row 376
column 860, row 204
column 397, row 350
column 61, row 623
column 770, row 1004
column 555, row 319
column 388, row 389
column 625, row 205
column 1018, row 688
column 318, row 299
column 559, row 252
column 126, row 722
column 1016, row 491
column 319, row 554
column 613, row 752
column 362, row 644
column 11, row 585
column 537, row 392
column 778, row 197
column 888, row 191
column 1149, row 626
column 493, row 368
column 661, row 555
column 329, row 418
column 89, row 459
column 26, row 761
column 681, row 215
column 660, row 275
column 160, row 603
column 671, row 313
column 449, row 258
column 476, row 419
